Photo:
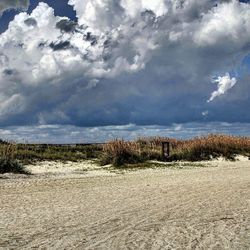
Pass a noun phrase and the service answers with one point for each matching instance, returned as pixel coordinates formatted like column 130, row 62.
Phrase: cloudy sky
column 94, row 70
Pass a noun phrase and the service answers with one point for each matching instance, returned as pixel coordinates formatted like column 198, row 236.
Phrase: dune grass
column 120, row 153
column 8, row 161
column 31, row 153
column 212, row 146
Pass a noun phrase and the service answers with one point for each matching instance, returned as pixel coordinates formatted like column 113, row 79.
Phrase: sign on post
column 165, row 150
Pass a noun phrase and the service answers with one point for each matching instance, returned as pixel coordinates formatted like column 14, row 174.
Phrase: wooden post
column 165, row 150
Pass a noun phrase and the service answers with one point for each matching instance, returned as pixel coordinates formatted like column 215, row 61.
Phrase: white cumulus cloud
column 224, row 84
column 228, row 21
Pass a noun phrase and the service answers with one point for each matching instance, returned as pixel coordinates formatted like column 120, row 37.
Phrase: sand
column 65, row 206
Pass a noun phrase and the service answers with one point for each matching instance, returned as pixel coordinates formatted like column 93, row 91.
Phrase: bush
column 119, row 152
column 8, row 163
column 11, row 166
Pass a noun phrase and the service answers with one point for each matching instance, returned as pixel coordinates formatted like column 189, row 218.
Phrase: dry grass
column 199, row 148
column 120, row 152
column 211, row 146
column 8, row 151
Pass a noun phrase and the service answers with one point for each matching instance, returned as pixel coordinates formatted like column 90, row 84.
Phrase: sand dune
column 193, row 208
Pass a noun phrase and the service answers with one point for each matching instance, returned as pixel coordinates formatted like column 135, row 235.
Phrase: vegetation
column 157, row 165
column 212, row 146
column 30, row 153
column 119, row 153
column 122, row 153
column 8, row 162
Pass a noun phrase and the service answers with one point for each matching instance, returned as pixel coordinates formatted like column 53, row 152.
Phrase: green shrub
column 8, row 163
column 11, row 166
column 30, row 153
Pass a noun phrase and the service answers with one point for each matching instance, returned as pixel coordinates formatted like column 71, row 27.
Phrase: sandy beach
column 83, row 206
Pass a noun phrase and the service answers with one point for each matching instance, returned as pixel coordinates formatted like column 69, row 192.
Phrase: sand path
column 201, row 208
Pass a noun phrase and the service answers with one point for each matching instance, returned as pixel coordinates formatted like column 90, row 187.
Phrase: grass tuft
column 120, row 152
column 8, row 163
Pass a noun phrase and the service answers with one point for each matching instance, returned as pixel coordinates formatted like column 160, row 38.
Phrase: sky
column 94, row 70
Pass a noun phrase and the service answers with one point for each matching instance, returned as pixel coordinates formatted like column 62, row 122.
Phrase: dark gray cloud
column 91, row 38
column 66, row 25
column 30, row 22
column 60, row 45
column 8, row 72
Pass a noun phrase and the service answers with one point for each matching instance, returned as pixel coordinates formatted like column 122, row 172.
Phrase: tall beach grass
column 120, row 152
